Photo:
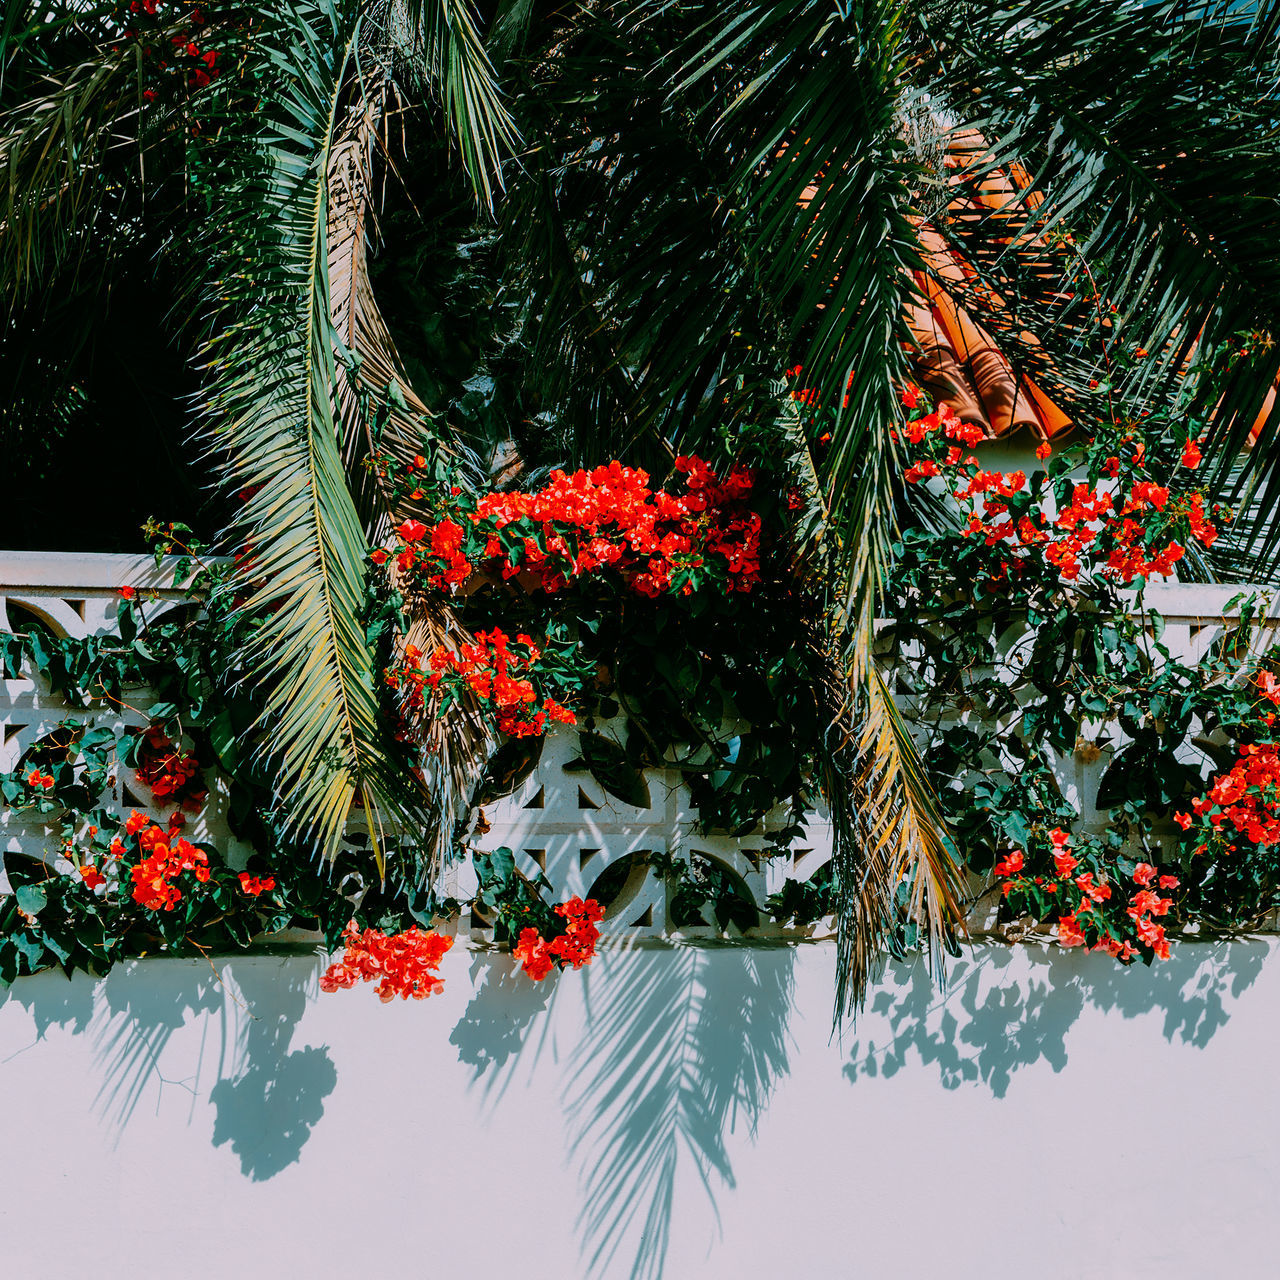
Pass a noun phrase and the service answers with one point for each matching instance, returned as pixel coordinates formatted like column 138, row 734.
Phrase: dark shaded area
column 453, row 307
column 95, row 395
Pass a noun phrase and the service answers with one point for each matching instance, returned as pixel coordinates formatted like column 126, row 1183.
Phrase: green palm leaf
column 825, row 183
column 298, row 360
column 684, row 240
column 271, row 421
column 59, row 149
column 447, row 43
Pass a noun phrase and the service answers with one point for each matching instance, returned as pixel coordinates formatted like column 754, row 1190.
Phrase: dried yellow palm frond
column 888, row 829
column 372, row 386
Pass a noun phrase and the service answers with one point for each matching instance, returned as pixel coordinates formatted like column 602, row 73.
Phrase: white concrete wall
column 674, row 1111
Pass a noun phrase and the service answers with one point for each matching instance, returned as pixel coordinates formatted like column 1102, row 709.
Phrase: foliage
column 1018, row 646
column 686, row 199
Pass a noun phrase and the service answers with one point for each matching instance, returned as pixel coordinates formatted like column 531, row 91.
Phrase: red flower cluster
column 402, row 964
column 583, row 523
column 166, row 859
column 494, row 673
column 1243, row 802
column 576, row 946
column 173, row 775
column 1088, row 911
column 91, row 876
column 408, row 678
column 1126, row 537
column 38, row 781
column 254, row 885
column 168, row 36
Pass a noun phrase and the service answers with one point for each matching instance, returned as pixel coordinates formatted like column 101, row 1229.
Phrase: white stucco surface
column 668, row 1111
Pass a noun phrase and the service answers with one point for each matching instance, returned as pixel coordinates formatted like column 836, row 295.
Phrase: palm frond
column 380, row 415
column 824, row 183
column 58, row 151
column 700, row 235
column 379, row 412
column 271, row 423
column 444, row 34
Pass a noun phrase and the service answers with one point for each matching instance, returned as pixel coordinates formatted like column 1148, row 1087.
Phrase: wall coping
column 52, row 570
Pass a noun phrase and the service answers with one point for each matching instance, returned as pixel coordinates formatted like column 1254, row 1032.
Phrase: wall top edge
column 51, row 570
column 75, row 570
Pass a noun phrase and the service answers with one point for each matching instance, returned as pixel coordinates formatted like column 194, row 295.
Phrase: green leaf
column 31, row 898
column 223, row 737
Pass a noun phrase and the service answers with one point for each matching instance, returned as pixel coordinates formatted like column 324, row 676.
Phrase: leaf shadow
column 1008, row 1008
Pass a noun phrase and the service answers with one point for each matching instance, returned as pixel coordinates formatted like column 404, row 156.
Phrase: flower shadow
column 268, row 1107
column 491, row 1035
column 266, row 1097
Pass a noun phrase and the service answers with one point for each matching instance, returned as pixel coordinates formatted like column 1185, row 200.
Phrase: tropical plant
column 674, row 202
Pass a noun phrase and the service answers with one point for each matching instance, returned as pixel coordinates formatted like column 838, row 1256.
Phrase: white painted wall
column 674, row 1111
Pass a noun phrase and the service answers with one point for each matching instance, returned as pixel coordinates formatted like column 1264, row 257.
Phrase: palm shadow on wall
column 995, row 1017
column 266, row 1097
column 678, row 1049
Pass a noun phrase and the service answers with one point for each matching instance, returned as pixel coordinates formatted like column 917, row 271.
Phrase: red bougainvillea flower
column 1191, row 455
column 253, row 885
column 494, row 671
column 1096, row 530
column 172, row 774
column 575, row 947
column 402, row 964
column 412, row 530
column 128, row 592
column 608, row 518
column 1144, row 873
column 1269, row 687
column 166, row 859
column 1069, row 932
column 534, row 955
column 1153, row 935
column 91, row 876
column 1011, row 864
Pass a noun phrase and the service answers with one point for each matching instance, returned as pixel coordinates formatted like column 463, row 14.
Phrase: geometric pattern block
column 559, row 821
